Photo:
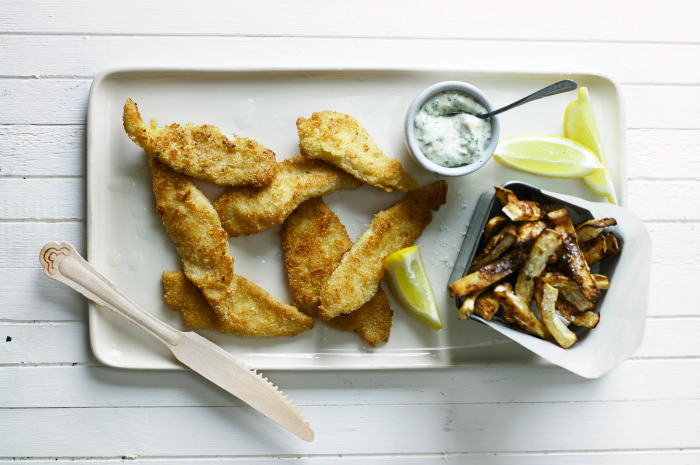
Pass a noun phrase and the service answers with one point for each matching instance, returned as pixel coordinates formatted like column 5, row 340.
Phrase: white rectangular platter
column 127, row 242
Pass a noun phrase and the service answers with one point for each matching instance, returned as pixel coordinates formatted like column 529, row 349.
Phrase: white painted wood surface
column 58, row 403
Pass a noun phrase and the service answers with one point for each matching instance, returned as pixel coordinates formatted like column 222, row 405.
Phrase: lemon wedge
column 580, row 125
column 550, row 156
column 409, row 283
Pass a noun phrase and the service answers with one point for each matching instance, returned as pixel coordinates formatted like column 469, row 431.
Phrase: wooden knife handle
column 63, row 263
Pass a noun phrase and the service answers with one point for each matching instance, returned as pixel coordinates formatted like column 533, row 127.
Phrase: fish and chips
column 533, row 253
column 337, row 153
column 533, row 267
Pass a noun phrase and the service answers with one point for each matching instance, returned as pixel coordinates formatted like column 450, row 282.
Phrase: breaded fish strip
column 184, row 297
column 340, row 140
column 248, row 210
column 250, row 311
column 361, row 270
column 314, row 241
column 202, row 152
column 372, row 321
column 194, row 226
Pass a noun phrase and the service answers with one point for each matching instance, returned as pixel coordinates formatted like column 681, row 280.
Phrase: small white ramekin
column 412, row 142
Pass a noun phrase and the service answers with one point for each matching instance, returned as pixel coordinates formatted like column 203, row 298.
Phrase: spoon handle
column 556, row 88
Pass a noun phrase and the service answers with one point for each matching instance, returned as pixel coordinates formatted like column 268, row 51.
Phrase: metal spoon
column 556, row 88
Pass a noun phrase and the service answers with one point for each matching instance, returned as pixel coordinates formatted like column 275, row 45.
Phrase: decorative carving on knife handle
column 51, row 255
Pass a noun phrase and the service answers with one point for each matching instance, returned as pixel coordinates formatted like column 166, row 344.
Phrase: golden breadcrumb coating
column 195, row 228
column 202, row 152
column 314, row 241
column 184, row 297
column 340, row 140
column 248, row 310
column 372, row 321
column 248, row 210
column 361, row 270
column 239, row 305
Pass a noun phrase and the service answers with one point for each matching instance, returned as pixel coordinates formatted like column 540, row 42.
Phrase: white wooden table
column 58, row 403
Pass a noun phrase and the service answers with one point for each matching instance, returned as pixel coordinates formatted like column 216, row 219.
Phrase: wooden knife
column 63, row 263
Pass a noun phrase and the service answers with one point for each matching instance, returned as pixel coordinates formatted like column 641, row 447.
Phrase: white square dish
column 127, row 242
column 622, row 308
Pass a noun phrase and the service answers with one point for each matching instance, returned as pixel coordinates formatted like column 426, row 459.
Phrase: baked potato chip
column 518, row 210
column 573, row 257
column 569, row 289
column 552, row 259
column 496, row 247
column 587, row 319
column 468, row 305
column 529, row 231
column 545, row 245
column 592, row 228
column 489, row 274
column 546, row 297
column 486, row 305
column 603, row 246
column 519, row 311
column 493, row 226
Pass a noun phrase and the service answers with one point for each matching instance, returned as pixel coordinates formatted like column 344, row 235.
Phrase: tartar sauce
column 452, row 140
